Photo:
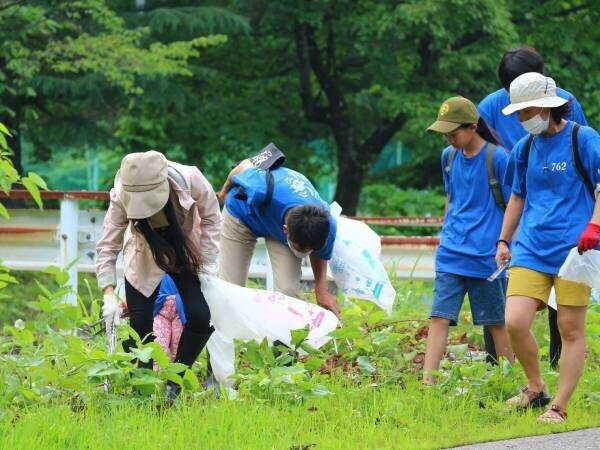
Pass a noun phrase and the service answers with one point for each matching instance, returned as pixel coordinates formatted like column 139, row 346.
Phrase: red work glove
column 589, row 238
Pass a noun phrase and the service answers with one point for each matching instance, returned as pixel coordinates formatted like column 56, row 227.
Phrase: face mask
column 536, row 125
column 296, row 253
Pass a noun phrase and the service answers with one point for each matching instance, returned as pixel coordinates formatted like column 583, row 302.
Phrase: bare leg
column 520, row 312
column 437, row 337
column 502, row 342
column 571, row 323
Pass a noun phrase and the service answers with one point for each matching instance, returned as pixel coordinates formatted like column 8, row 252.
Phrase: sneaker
column 529, row 399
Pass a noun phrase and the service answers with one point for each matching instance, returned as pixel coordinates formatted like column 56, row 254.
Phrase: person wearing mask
column 282, row 206
column 552, row 208
column 508, row 130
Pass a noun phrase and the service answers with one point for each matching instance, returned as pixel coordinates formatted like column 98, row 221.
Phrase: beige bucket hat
column 144, row 184
column 533, row 89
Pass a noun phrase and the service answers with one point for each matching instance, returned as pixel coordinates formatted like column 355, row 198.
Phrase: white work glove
column 110, row 310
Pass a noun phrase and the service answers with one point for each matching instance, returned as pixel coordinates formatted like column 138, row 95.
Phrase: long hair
column 173, row 254
column 484, row 131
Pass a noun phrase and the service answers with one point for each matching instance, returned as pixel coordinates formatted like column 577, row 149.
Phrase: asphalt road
column 579, row 440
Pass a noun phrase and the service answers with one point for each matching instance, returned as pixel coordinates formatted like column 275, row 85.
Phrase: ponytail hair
column 483, row 130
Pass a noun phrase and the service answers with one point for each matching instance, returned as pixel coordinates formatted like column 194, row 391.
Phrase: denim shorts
column 487, row 299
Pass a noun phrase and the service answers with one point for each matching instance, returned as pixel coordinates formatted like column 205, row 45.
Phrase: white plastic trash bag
column 355, row 264
column 222, row 357
column 584, row 268
column 245, row 313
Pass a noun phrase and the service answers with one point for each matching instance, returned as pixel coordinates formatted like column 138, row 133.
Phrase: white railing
column 33, row 240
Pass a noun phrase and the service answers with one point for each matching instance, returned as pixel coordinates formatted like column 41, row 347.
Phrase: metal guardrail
column 33, row 239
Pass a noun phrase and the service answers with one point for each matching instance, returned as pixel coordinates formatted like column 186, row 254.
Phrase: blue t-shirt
column 508, row 129
column 290, row 189
column 473, row 220
column 168, row 287
column 557, row 206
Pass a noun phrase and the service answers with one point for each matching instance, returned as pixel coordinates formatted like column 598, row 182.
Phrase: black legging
column 197, row 329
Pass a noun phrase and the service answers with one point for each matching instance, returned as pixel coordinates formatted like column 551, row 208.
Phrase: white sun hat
column 533, row 89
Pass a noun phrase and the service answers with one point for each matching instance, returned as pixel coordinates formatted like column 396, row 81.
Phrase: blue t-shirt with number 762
column 557, row 204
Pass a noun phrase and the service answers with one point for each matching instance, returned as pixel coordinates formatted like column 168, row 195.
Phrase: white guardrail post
column 68, row 233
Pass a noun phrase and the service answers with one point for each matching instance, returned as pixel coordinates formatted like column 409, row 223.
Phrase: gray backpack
column 492, row 180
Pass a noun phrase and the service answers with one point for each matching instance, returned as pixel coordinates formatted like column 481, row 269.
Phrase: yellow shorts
column 534, row 284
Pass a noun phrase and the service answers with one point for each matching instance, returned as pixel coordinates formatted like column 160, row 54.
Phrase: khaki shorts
column 537, row 285
column 237, row 246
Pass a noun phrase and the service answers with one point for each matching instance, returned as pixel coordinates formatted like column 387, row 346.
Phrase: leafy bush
column 388, row 200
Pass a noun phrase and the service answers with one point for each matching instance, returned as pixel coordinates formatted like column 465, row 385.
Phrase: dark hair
column 308, row 226
column 483, row 130
column 560, row 112
column 518, row 61
column 172, row 252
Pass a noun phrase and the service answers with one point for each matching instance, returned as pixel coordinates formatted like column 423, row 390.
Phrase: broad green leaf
column 33, row 190
column 298, row 336
column 312, row 363
column 190, row 381
column 158, row 355
column 365, row 365
column 37, row 180
column 4, row 130
column 4, row 212
column 144, row 355
column 347, row 332
column 61, row 277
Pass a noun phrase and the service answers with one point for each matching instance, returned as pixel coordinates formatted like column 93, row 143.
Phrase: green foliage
column 9, row 176
column 388, row 200
column 72, row 69
column 50, row 357
column 364, row 384
column 564, row 32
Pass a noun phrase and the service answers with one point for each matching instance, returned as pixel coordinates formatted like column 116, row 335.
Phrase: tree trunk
column 350, row 178
column 14, row 141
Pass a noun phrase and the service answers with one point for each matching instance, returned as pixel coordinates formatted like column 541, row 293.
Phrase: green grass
column 386, row 409
column 364, row 418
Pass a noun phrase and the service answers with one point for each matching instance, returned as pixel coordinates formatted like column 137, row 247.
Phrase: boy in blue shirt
column 507, row 128
column 465, row 256
column 283, row 207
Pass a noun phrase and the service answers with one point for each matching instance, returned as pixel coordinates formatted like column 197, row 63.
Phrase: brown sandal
column 553, row 415
column 529, row 399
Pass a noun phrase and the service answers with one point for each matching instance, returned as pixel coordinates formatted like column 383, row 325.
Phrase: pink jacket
column 200, row 220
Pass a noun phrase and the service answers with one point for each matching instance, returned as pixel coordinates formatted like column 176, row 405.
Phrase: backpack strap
column 528, row 149
column 177, row 177
column 577, row 161
column 492, row 180
column 451, row 155
column 270, row 187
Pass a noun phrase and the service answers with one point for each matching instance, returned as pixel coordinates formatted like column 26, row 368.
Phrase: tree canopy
column 208, row 84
